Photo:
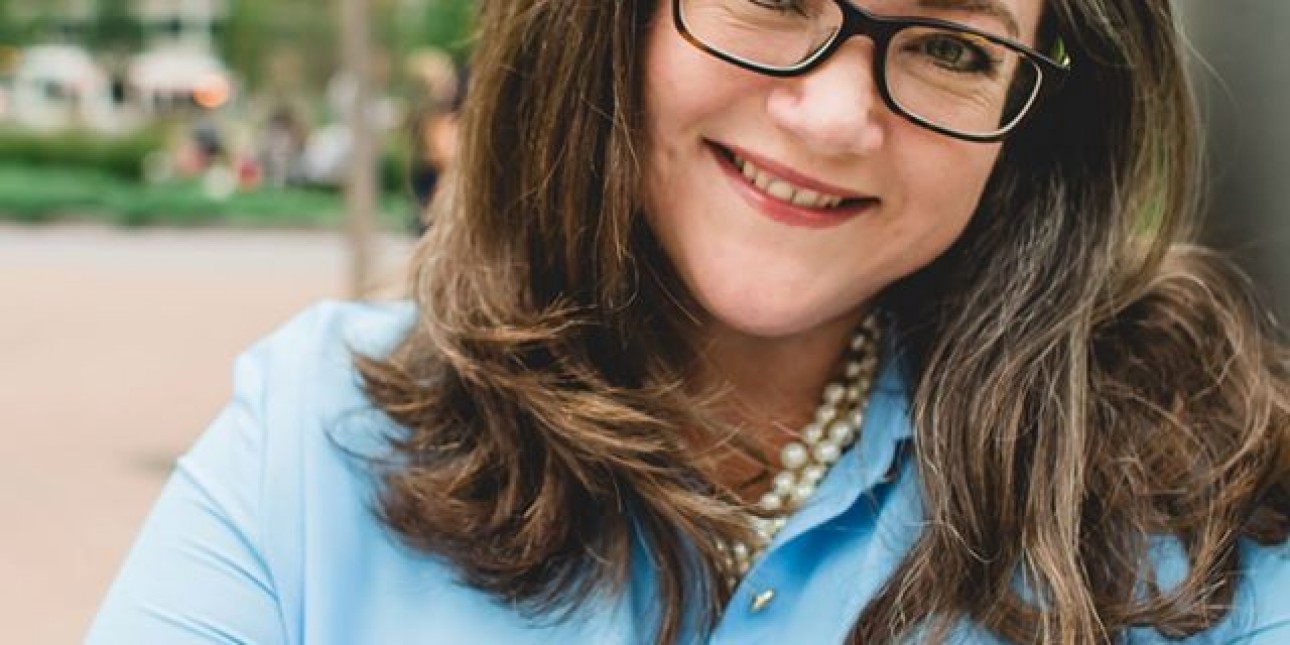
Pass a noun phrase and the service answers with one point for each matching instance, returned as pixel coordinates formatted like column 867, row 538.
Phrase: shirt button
column 761, row 600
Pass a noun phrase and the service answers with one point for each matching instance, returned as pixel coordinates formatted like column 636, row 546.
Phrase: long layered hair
column 1136, row 389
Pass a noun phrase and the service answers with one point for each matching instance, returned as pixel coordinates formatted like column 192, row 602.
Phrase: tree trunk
column 360, row 187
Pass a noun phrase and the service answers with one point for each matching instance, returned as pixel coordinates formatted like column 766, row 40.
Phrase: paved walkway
column 115, row 352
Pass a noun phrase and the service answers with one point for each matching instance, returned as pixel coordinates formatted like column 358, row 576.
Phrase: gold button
column 762, row 599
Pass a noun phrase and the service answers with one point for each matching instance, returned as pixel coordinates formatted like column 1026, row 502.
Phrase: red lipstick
column 853, row 204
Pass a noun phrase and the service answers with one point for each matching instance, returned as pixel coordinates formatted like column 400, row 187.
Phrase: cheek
column 944, row 186
column 941, row 182
column 688, row 95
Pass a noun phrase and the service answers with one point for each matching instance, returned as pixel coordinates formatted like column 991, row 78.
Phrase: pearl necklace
column 819, row 445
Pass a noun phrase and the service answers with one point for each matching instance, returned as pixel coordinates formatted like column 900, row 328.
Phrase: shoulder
column 297, row 390
column 295, row 382
column 300, row 386
column 304, row 371
column 329, row 332
column 321, row 447
column 257, row 519
column 336, row 567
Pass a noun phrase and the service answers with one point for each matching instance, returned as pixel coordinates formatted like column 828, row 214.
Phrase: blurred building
column 59, row 86
column 112, row 64
column 181, row 24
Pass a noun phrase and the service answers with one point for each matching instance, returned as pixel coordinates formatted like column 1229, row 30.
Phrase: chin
column 769, row 317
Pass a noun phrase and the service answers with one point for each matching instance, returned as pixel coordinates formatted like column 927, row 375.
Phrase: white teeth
column 780, row 190
column 784, row 191
column 806, row 198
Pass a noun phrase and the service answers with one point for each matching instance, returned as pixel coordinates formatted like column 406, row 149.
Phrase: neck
column 771, row 387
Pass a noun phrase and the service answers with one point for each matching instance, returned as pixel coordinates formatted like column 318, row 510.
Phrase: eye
column 782, row 6
column 955, row 52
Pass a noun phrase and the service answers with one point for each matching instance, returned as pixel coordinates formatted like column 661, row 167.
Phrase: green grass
column 35, row 194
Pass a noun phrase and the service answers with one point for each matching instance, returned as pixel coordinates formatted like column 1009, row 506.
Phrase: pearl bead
column 805, row 462
column 826, row 452
column 841, row 433
column 813, row 474
column 783, row 483
column 825, row 414
column 856, row 419
column 812, row 433
column 793, row 456
column 834, row 392
column 771, row 502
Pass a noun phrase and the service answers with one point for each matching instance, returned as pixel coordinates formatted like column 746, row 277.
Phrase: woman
column 767, row 321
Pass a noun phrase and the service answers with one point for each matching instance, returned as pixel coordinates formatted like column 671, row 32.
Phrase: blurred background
column 178, row 177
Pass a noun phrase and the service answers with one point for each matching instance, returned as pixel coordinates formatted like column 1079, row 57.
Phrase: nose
column 836, row 108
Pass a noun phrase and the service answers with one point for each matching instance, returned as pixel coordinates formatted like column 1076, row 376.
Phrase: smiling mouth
column 786, row 191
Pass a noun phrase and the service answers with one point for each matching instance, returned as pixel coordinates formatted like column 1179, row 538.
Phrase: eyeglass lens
column 950, row 78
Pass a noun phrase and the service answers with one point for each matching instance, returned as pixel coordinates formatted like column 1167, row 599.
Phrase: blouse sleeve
column 197, row 571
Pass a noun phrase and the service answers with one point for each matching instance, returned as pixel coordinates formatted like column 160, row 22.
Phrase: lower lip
column 784, row 212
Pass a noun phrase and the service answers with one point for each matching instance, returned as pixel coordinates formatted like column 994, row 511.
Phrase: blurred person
column 208, row 139
column 282, row 143
column 434, row 129
column 805, row 322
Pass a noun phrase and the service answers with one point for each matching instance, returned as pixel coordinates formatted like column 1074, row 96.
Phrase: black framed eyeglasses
column 954, row 79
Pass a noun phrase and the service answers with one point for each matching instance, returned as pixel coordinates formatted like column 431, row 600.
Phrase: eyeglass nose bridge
column 857, row 22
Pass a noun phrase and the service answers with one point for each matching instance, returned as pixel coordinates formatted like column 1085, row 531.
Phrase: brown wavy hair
column 1138, row 390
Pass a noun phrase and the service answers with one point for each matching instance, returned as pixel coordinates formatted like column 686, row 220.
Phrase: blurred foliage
column 117, row 156
column 115, row 29
column 244, row 39
column 395, row 164
column 41, row 194
column 445, row 24
column 270, row 43
column 9, row 29
column 280, row 46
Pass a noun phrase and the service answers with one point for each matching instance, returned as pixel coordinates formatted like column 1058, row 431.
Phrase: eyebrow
column 990, row 8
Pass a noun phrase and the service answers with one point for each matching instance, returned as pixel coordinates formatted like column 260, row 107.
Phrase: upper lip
column 792, row 176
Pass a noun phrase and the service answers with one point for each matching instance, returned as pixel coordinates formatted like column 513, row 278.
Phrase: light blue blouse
column 265, row 534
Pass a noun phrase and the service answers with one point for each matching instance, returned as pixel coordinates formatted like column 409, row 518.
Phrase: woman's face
column 761, row 266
